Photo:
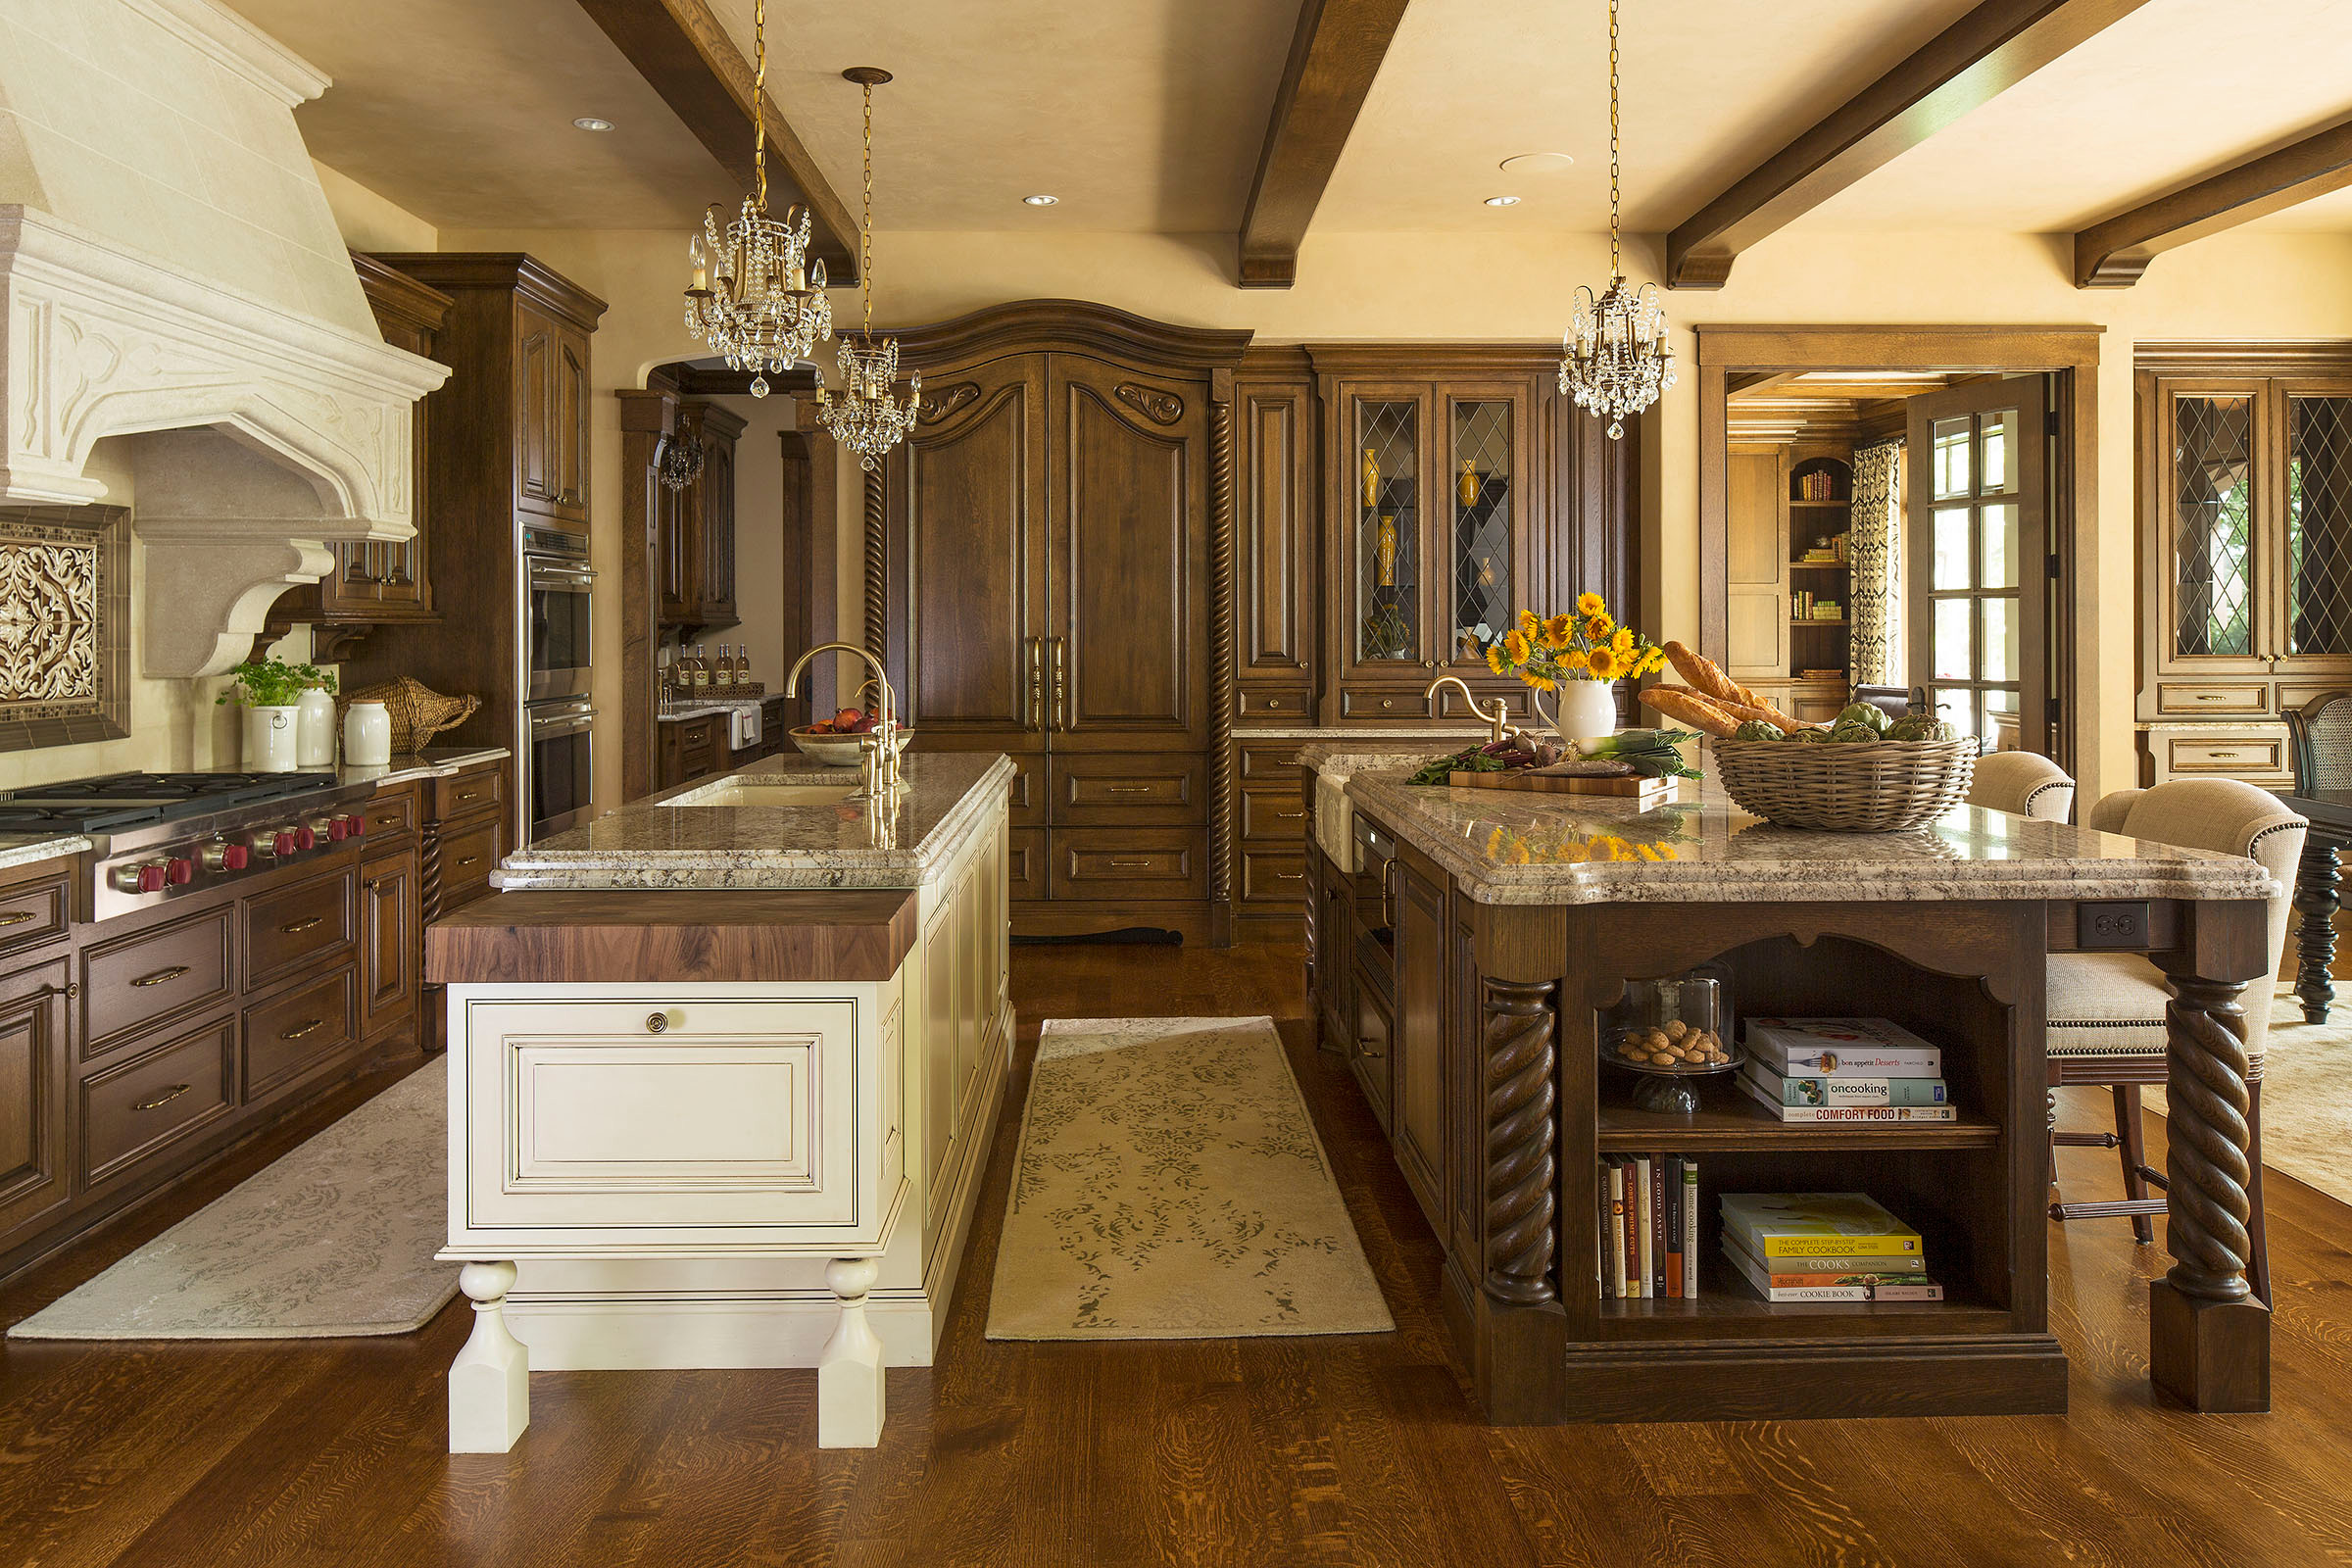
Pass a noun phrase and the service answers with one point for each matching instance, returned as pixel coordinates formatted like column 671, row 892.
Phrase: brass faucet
column 1497, row 722
column 878, row 748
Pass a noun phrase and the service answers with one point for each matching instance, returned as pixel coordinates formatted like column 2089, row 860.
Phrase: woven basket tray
column 1834, row 788
column 418, row 712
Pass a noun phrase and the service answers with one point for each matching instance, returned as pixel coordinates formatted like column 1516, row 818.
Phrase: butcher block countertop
column 632, row 936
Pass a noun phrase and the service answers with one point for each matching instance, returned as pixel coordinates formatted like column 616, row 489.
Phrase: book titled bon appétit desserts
column 1842, row 1047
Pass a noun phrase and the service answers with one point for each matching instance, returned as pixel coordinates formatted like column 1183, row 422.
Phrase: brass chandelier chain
column 866, row 417
column 1615, row 359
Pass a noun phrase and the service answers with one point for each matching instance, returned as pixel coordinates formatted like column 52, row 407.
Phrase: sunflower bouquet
column 1588, row 645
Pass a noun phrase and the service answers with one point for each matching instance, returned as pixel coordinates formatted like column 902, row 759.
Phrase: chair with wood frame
column 2320, row 742
column 1894, row 702
column 2105, row 1015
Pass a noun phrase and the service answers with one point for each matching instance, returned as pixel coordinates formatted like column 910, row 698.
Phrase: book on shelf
column 1688, row 1171
column 1828, row 1288
column 1858, row 1088
column 1913, row 1263
column 1648, row 1217
column 1773, row 1106
column 1642, row 1205
column 1775, row 1225
column 1843, row 1047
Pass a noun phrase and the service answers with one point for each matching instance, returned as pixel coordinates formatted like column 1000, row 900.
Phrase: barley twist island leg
column 2316, row 899
column 2209, row 1339
column 849, row 1374
column 490, row 1380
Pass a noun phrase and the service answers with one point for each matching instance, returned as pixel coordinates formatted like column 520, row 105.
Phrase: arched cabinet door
column 1127, row 487
column 969, row 559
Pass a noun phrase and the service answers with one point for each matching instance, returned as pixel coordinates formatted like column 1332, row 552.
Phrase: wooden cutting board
column 1635, row 787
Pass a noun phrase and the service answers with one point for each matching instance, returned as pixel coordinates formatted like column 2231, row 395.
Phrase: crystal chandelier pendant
column 1614, row 357
column 866, row 417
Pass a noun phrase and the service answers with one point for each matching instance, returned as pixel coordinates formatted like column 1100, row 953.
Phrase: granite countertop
column 649, row 844
column 30, row 848
column 1356, row 732
column 1510, row 847
column 682, row 712
column 434, row 761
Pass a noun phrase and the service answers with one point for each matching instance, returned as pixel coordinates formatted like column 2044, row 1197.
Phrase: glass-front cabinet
column 1435, row 483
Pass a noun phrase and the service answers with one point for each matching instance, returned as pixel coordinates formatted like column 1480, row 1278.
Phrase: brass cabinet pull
column 1128, row 789
column 293, row 926
column 300, row 1029
column 1290, row 876
column 18, row 919
column 1062, row 686
column 1034, row 716
column 164, row 1099
column 469, row 795
column 162, row 975
column 1365, row 1046
column 1288, row 817
column 1120, row 866
column 470, row 859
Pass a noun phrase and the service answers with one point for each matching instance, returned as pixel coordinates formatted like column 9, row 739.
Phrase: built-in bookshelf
column 1821, row 498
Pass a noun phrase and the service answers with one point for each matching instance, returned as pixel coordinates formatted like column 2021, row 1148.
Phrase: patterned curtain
column 1877, row 557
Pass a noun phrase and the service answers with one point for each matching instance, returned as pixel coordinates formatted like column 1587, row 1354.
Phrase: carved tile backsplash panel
column 64, row 627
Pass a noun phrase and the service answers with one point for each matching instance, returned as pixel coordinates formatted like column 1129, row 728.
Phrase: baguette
column 1692, row 708
column 1708, row 677
column 1743, row 712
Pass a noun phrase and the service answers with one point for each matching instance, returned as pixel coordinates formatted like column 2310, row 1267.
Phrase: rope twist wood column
column 877, row 570
column 2206, row 1136
column 1220, row 650
column 1520, row 1139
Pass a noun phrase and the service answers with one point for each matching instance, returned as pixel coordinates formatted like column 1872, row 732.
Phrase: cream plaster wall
column 370, row 223
column 1516, row 287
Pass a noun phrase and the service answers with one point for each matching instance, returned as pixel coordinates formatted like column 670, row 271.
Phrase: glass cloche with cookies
column 1671, row 1032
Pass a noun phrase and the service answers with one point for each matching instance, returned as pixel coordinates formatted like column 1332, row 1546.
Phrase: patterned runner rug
column 1170, row 1187
column 335, row 1239
column 2306, row 1097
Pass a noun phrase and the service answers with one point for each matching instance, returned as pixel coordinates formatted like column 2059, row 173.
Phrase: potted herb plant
column 271, row 692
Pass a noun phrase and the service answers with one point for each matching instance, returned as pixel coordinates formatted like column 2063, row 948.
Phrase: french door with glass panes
column 1977, row 608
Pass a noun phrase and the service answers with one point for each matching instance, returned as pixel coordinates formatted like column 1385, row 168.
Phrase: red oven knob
column 151, row 877
column 179, row 870
column 304, row 839
column 235, row 858
column 283, row 843
column 356, row 825
column 338, row 828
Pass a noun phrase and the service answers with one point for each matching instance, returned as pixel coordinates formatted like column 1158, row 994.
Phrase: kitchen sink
column 750, row 792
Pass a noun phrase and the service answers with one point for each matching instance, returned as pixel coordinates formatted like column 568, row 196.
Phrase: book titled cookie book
column 1842, row 1047
column 1815, row 1225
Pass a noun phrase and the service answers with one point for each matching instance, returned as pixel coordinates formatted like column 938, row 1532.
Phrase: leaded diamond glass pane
column 1388, row 530
column 2213, row 480
column 1481, row 485
column 2319, row 524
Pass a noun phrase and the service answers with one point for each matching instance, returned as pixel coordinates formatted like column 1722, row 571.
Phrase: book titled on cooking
column 1843, row 1047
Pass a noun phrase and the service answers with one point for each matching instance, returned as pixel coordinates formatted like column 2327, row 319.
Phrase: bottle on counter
column 722, row 673
column 701, row 670
column 743, row 667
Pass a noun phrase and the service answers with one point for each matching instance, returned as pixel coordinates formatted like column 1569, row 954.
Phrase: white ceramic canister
column 367, row 734
column 315, row 729
column 270, row 740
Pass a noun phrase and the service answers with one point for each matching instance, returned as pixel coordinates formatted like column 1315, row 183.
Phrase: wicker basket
column 1846, row 788
column 418, row 712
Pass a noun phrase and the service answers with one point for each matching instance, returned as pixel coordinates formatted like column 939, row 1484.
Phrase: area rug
column 336, row 1239
column 2306, row 1097
column 1170, row 1187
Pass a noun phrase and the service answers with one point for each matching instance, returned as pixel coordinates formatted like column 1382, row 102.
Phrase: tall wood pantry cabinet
column 695, row 527
column 1047, row 583
column 2245, row 490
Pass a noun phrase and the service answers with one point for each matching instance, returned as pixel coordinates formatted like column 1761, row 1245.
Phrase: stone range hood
column 267, row 416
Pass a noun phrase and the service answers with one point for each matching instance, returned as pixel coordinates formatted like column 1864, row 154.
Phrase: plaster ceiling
column 2174, row 91
column 461, row 111
column 1141, row 116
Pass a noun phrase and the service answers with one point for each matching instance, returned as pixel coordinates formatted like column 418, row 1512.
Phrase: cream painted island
column 723, row 1068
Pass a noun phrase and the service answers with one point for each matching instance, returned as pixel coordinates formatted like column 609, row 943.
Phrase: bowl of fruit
column 837, row 741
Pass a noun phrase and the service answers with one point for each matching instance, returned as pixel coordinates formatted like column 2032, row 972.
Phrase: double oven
column 556, row 770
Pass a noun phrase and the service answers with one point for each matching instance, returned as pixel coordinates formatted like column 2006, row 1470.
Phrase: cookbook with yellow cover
column 1815, row 1225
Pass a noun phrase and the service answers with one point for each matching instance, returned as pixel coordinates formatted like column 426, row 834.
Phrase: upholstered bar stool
column 2106, row 1010
column 2024, row 785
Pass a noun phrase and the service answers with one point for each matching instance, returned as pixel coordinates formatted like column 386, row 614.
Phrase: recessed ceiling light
column 1536, row 164
column 592, row 122
column 1502, row 201
column 1039, row 201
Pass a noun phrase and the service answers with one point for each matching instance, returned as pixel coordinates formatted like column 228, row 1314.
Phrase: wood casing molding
column 647, row 419
column 1070, row 326
column 527, row 275
column 2115, row 252
column 2243, row 357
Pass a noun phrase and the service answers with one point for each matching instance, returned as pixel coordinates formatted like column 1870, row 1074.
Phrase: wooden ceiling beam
column 685, row 54
column 1334, row 54
column 1988, row 51
column 2113, row 254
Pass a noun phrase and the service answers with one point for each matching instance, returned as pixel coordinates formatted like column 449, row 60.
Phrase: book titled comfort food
column 1843, row 1047
column 1774, row 1225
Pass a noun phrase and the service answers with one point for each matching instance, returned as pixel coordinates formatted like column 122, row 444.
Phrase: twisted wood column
column 2208, row 1206
column 1520, row 1141
column 877, row 569
column 1220, row 650
column 2316, row 901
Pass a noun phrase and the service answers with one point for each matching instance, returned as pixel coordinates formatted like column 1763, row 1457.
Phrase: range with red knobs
column 162, row 836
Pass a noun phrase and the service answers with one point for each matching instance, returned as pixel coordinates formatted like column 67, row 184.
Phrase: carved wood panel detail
column 64, row 628
column 946, row 401
column 1160, row 408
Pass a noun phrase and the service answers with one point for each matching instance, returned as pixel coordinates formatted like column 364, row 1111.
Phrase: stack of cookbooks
column 1823, row 1246
column 1648, row 1226
column 1844, row 1069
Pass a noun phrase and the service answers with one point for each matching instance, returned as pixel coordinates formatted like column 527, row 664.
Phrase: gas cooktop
column 122, row 801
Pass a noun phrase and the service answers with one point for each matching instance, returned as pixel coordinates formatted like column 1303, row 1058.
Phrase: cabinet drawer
column 1141, row 863
column 1273, row 876
column 468, row 858
column 300, row 1028
column 1025, row 863
column 1024, row 795
column 1518, row 704
column 390, row 814
column 2213, row 697
column 35, row 913
column 290, row 928
column 1356, row 702
column 462, row 794
column 733, row 1120
column 1271, row 760
column 2229, row 756
column 1273, row 816
column 157, row 1098
column 1113, row 788
column 1273, row 703
column 132, row 981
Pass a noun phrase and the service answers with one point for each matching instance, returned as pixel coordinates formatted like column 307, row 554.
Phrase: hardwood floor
column 1279, row 1451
